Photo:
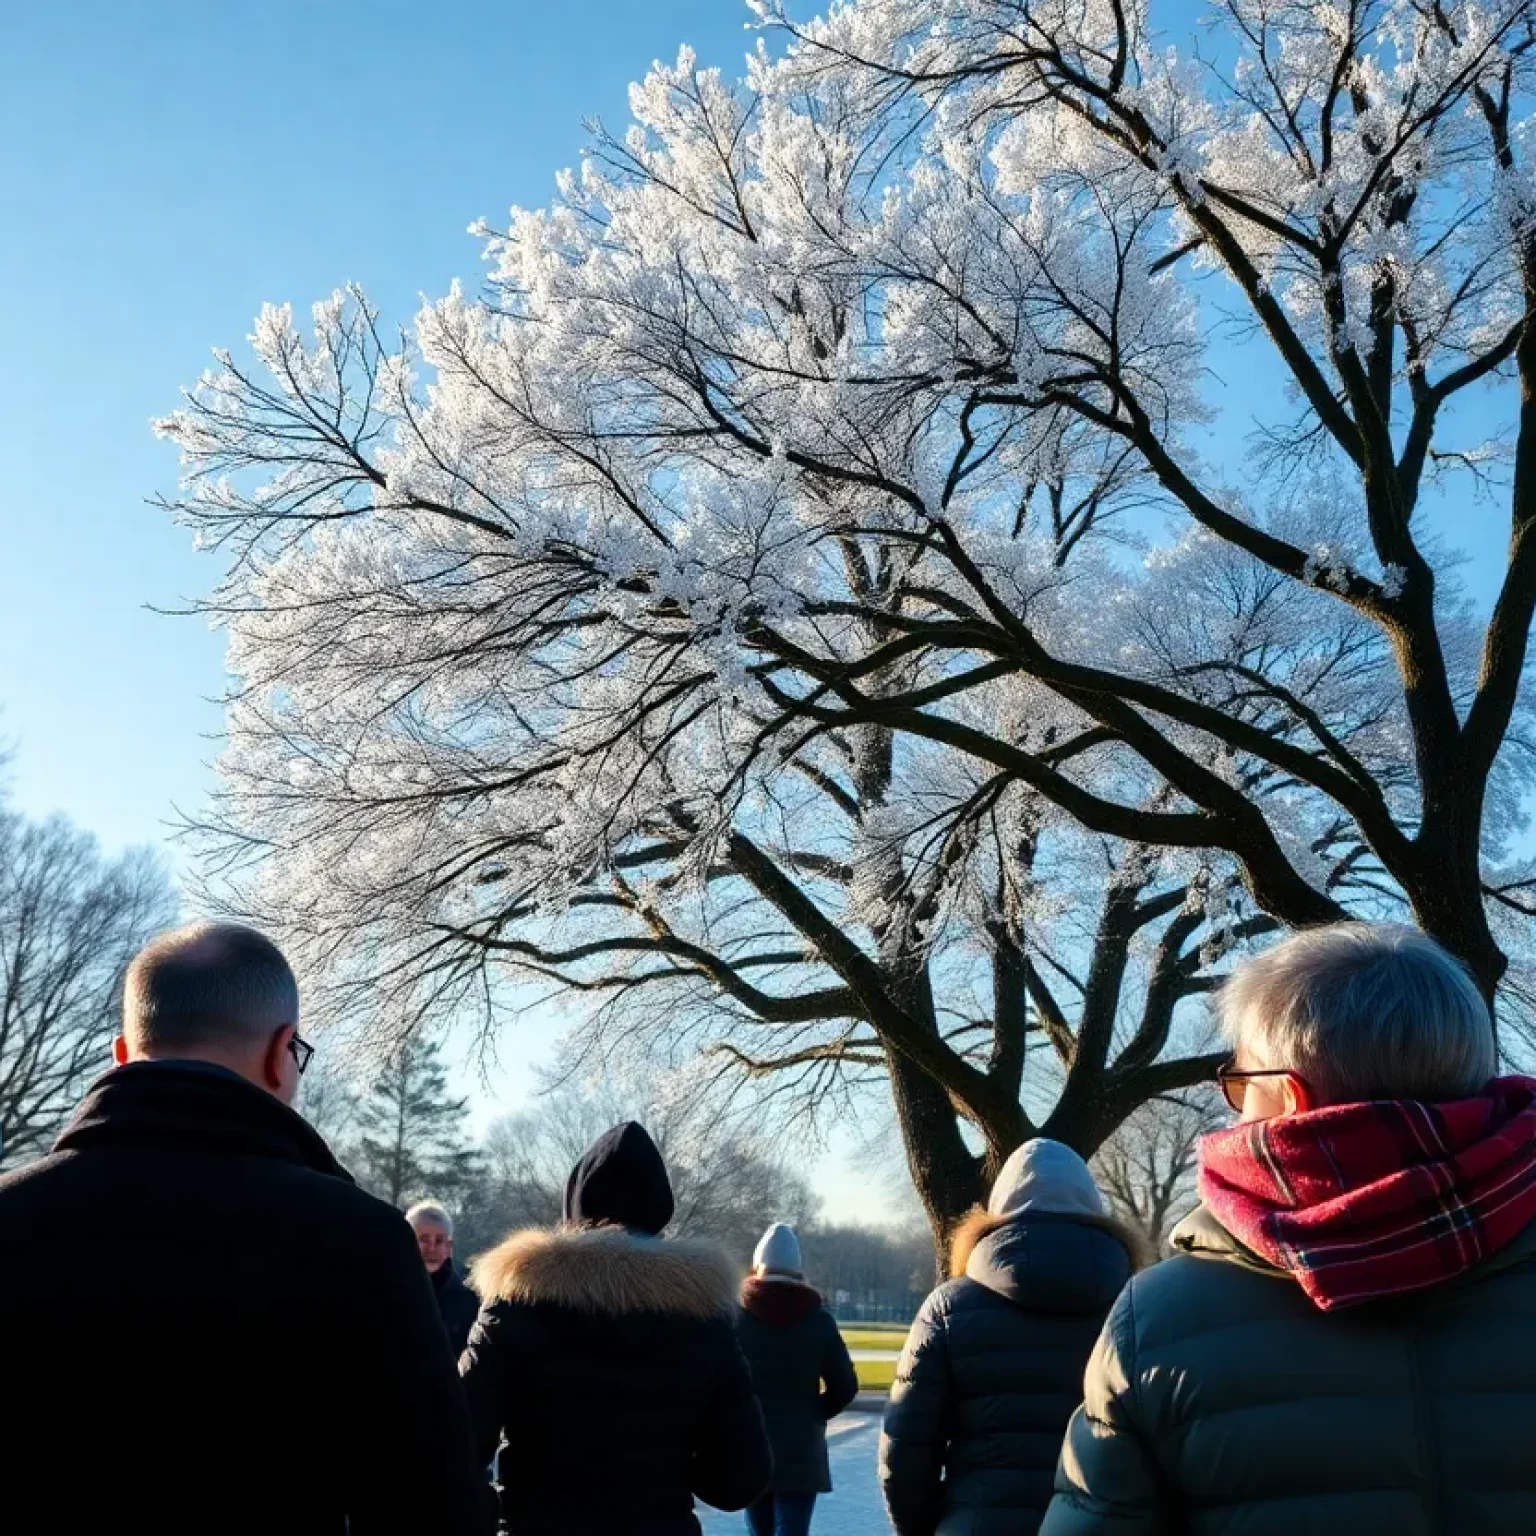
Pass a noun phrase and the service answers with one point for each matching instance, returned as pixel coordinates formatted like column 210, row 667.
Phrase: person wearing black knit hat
column 621, row 1181
column 603, row 1372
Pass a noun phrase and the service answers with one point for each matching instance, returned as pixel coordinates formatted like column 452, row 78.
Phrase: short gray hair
column 433, row 1214
column 207, row 983
column 1363, row 1011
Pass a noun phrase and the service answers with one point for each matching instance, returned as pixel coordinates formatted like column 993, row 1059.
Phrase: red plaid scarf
column 1359, row 1201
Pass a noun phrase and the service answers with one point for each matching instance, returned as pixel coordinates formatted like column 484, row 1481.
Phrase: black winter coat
column 604, row 1374
column 457, row 1304
column 205, row 1327
column 992, row 1372
column 802, row 1374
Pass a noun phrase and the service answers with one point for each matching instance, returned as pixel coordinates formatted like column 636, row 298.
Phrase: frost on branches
column 797, row 606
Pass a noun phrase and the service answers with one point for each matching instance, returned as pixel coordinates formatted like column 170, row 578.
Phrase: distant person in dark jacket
column 994, row 1365
column 803, row 1376
column 604, row 1364
column 458, row 1304
column 205, row 1326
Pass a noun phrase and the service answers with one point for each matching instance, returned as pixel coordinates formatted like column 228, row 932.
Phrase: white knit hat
column 1045, row 1175
column 779, row 1252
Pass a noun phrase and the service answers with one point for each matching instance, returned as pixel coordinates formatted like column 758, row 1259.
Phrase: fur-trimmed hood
column 1046, row 1261
column 608, row 1271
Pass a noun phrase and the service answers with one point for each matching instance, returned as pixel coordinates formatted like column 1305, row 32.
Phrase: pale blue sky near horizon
column 168, row 166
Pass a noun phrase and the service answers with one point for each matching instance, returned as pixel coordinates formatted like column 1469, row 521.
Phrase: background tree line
column 407, row 1136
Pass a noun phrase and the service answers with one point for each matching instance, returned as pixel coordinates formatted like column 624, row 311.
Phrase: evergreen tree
column 412, row 1143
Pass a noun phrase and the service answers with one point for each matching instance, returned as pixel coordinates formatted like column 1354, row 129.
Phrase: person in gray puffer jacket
column 993, row 1367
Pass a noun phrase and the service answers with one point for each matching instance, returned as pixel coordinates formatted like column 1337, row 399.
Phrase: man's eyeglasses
column 303, row 1052
column 1233, row 1082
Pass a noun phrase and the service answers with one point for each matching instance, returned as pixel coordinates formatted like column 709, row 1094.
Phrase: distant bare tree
column 70, row 921
column 870, row 1271
column 519, row 1185
column 1147, row 1168
column 329, row 1100
column 726, row 1186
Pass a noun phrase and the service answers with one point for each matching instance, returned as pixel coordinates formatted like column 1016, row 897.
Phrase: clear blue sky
column 166, row 166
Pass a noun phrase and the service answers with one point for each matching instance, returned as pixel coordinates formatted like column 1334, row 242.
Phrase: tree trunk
column 947, row 1175
column 1082, row 1122
column 1447, row 901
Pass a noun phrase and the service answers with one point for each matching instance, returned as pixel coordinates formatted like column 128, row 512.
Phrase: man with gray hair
column 458, row 1305
column 205, row 1325
column 1342, row 1345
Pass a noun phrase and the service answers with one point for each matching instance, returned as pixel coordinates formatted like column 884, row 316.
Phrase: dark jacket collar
column 445, row 1277
column 1202, row 1236
column 196, row 1106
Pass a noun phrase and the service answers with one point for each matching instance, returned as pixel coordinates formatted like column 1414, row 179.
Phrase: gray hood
column 1044, row 1262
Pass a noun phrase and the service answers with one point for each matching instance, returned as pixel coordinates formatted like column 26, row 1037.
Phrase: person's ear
column 1298, row 1097
column 120, row 1051
column 274, row 1070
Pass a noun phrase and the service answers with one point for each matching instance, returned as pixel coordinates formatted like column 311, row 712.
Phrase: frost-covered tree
column 797, row 608
column 1355, row 175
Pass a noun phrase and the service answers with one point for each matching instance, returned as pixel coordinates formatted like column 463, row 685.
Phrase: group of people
column 208, row 1328
column 1344, row 1341
column 641, row 1344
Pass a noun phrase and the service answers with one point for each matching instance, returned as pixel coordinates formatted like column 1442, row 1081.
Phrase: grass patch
column 875, row 1336
column 875, row 1375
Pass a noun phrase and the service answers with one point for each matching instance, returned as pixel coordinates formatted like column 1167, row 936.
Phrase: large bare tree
column 796, row 611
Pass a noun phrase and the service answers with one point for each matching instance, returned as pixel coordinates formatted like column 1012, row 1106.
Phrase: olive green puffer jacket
column 1221, row 1401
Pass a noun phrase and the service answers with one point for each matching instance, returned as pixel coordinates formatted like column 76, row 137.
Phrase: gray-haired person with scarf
column 1343, row 1344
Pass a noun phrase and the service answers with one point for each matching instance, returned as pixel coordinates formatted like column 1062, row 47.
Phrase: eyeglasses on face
column 302, row 1051
column 1233, row 1081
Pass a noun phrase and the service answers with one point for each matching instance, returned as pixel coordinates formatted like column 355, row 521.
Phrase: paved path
column 853, row 1508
